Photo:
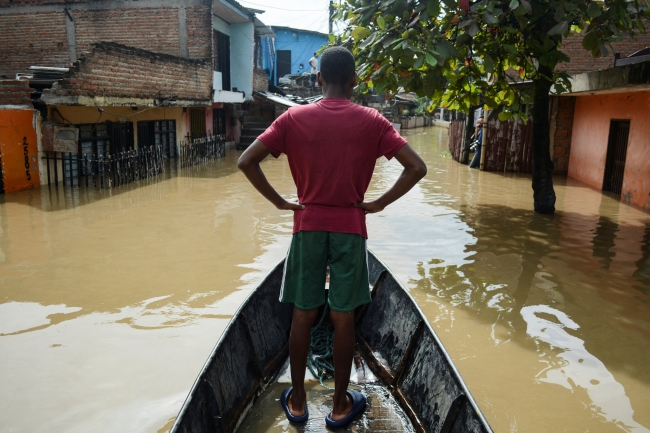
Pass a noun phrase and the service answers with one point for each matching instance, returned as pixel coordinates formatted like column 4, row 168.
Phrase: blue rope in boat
column 320, row 359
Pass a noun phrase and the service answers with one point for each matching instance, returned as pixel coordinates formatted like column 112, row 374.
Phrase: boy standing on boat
column 332, row 146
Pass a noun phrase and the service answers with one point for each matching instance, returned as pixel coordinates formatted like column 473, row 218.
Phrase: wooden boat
column 393, row 338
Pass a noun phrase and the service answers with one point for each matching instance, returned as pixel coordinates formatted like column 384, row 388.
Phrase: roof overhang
column 621, row 79
column 231, row 12
column 263, row 30
column 113, row 101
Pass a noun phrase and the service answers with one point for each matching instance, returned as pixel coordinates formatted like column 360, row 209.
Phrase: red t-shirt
column 332, row 146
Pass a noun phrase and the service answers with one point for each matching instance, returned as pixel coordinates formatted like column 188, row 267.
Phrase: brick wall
column 9, row 3
column 152, row 29
column 32, row 39
column 115, row 70
column 199, row 31
column 260, row 80
column 562, row 110
column 15, row 92
column 40, row 38
column 582, row 60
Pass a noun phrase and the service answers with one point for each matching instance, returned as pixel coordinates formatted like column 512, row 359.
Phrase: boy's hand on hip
column 288, row 205
column 370, row 206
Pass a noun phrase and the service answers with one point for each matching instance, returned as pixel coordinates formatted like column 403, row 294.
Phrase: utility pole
column 331, row 15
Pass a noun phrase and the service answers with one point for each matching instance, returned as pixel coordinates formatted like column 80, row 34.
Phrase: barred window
column 158, row 133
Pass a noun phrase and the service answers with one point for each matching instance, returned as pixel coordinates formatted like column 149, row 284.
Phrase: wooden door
column 619, row 131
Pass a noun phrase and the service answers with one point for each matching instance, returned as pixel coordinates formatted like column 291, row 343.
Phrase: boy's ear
column 319, row 79
column 354, row 80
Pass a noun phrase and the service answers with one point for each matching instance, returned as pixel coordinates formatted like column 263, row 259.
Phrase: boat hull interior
column 393, row 337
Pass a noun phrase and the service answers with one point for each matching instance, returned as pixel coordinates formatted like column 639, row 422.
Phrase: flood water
column 110, row 302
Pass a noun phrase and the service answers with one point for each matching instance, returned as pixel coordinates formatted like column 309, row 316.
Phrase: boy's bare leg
column 343, row 354
column 298, row 351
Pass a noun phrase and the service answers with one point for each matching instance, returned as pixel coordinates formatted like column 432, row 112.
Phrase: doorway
column 619, row 130
column 197, row 123
column 284, row 63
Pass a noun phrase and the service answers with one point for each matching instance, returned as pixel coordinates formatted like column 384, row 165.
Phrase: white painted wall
column 241, row 57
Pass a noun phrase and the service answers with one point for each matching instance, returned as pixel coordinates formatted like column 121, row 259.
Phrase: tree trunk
column 543, row 193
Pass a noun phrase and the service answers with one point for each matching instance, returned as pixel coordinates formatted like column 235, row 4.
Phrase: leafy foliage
column 453, row 52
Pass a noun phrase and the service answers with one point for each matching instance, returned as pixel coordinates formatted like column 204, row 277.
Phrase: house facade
column 609, row 143
column 292, row 50
column 139, row 72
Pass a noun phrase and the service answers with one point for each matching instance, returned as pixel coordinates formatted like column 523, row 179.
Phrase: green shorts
column 305, row 268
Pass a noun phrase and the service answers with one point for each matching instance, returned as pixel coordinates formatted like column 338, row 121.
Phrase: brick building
column 582, row 61
column 141, row 72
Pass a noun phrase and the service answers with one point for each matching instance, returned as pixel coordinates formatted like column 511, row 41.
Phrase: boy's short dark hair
column 337, row 66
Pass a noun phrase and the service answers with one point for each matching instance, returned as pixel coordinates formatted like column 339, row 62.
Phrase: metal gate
column 121, row 137
column 619, row 130
column 219, row 121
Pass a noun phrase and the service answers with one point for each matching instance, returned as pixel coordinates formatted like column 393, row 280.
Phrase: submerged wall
column 590, row 135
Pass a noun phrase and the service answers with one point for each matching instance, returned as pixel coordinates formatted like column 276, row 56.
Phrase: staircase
column 252, row 127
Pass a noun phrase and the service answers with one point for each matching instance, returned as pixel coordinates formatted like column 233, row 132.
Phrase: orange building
column 18, row 141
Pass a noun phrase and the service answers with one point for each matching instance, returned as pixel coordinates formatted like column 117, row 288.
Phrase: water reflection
column 642, row 272
column 104, row 294
column 570, row 365
column 19, row 317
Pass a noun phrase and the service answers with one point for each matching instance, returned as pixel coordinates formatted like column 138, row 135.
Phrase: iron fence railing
column 104, row 171
column 200, row 150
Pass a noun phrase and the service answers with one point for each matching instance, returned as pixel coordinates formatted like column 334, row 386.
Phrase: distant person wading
column 477, row 144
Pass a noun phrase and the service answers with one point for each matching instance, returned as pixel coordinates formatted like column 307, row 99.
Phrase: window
column 158, row 133
column 221, row 62
column 94, row 139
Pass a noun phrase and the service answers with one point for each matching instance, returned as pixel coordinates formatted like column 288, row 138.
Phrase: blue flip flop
column 358, row 406
column 284, row 399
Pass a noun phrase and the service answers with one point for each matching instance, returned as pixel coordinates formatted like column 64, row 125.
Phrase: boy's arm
column 414, row 170
column 249, row 163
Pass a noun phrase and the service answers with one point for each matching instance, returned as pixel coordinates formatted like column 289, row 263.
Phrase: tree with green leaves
column 454, row 52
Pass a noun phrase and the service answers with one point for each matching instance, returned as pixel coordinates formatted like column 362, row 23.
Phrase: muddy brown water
column 110, row 302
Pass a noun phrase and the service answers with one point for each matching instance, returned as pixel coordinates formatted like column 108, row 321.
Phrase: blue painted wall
column 302, row 44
